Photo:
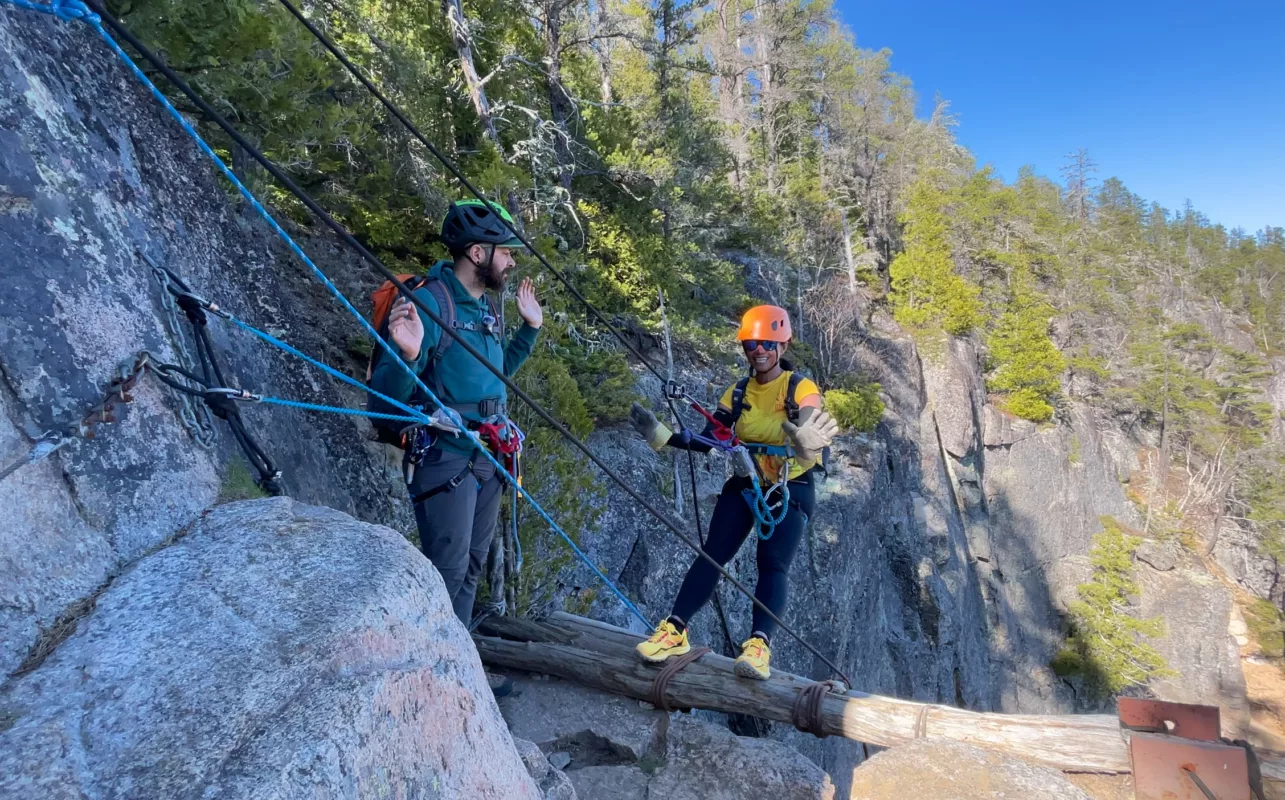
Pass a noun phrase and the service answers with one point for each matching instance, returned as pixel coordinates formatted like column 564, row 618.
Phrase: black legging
column 732, row 522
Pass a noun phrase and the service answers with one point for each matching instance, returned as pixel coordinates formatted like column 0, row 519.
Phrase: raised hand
column 813, row 436
column 528, row 306
column 405, row 328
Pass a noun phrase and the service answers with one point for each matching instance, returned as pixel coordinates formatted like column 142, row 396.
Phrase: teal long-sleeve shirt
column 464, row 380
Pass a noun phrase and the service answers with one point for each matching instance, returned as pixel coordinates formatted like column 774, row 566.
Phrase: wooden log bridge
column 602, row 656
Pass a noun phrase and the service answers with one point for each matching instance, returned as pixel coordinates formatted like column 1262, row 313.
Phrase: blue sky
column 1179, row 100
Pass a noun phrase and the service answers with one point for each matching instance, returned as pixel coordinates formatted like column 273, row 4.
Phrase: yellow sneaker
column 753, row 661
column 667, row 641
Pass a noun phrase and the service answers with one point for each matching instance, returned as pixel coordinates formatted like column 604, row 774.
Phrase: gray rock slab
column 623, row 782
column 275, row 650
column 703, row 762
column 1162, row 556
column 944, row 770
column 561, row 716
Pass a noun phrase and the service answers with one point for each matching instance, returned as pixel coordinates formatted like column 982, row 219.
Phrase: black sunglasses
column 751, row 345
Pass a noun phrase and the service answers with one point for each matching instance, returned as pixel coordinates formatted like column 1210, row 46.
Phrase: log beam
column 601, row 656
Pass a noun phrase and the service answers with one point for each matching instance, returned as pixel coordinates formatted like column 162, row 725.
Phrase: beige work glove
column 813, row 436
column 651, row 429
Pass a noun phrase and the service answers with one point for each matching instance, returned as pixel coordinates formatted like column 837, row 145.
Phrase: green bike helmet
column 472, row 222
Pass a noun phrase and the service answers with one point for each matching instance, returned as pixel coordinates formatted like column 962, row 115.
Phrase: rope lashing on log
column 921, row 723
column 660, row 686
column 806, row 714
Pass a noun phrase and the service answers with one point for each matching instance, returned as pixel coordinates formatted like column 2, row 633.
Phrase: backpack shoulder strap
column 791, row 401
column 446, row 309
column 738, row 400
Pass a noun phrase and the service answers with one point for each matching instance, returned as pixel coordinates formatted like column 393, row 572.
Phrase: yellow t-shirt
column 760, row 421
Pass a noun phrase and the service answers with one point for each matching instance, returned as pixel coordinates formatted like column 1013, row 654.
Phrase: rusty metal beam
column 1183, row 720
column 1169, row 768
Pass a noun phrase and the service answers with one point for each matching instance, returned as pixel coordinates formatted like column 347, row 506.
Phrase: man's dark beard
column 491, row 277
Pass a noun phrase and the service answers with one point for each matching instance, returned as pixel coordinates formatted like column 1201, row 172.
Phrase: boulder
column 1162, row 556
column 622, row 782
column 272, row 650
column 704, row 762
column 592, row 728
column 942, row 770
column 550, row 777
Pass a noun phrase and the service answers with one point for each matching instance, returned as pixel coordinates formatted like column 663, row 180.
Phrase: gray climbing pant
column 456, row 508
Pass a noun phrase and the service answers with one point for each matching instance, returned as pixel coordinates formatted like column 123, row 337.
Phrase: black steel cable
column 285, row 180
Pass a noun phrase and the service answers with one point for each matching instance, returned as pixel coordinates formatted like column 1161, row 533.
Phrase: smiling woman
column 775, row 420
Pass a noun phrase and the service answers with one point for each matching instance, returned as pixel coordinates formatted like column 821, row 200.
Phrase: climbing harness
column 769, row 507
column 73, row 9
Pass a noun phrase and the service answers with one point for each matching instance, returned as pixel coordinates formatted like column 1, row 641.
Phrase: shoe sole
column 662, row 658
column 744, row 670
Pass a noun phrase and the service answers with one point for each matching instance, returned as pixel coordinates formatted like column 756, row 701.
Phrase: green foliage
column 1025, row 363
column 1103, row 632
column 1266, row 623
column 926, row 291
column 1262, row 493
column 1067, row 662
column 238, row 484
column 857, row 410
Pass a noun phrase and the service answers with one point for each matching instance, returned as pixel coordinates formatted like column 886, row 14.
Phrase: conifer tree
column 926, row 291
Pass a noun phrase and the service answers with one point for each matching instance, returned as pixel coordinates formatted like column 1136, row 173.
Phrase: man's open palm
column 528, row 306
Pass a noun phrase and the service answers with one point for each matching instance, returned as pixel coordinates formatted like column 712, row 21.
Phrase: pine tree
column 1026, row 363
column 926, row 291
column 1104, row 634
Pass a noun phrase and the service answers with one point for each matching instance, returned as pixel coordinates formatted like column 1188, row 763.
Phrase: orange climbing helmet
column 767, row 323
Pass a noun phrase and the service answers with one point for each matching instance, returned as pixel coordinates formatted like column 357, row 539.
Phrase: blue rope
column 73, row 9
column 352, row 412
column 765, row 520
column 418, row 416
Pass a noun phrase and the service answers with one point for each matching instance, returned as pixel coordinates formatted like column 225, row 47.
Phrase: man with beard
column 455, row 490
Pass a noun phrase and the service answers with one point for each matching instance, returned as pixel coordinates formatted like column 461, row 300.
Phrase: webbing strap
column 660, row 686
column 451, row 484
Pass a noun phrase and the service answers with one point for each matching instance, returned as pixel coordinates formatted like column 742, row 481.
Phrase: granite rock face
column 92, row 174
column 274, row 650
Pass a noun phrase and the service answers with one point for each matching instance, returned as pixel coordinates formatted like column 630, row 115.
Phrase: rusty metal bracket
column 1170, row 768
column 1183, row 720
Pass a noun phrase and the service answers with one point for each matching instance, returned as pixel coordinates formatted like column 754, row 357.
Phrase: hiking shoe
column 501, row 685
column 666, row 642
column 753, row 660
